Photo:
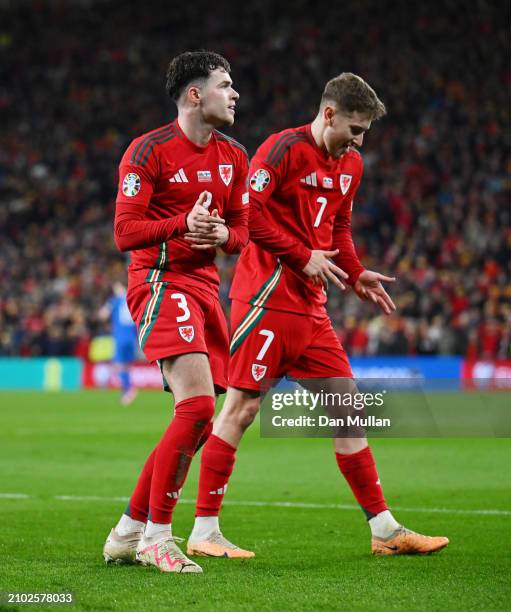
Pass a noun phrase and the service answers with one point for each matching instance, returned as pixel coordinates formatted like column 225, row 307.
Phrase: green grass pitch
column 86, row 445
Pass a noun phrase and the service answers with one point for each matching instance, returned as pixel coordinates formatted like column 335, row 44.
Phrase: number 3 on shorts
column 181, row 302
column 269, row 339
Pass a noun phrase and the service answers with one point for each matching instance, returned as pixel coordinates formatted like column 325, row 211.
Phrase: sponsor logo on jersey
column 245, row 198
column 258, row 371
column 225, row 173
column 345, row 182
column 179, row 177
column 204, row 176
column 328, row 182
column 187, row 332
column 310, row 179
column 131, row 185
column 260, row 179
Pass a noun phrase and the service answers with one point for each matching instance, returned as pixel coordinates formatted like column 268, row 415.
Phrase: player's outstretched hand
column 369, row 287
column 199, row 219
column 216, row 235
column 322, row 270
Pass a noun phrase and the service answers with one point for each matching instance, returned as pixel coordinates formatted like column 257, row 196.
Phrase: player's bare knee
column 349, row 446
column 241, row 412
column 246, row 413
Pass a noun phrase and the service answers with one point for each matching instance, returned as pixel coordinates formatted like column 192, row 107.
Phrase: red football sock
column 174, row 454
column 359, row 470
column 205, row 435
column 216, row 467
column 138, row 506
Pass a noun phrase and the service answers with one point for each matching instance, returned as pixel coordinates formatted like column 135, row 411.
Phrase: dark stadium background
column 80, row 79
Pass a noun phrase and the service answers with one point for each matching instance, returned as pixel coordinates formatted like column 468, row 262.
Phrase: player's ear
column 328, row 114
column 193, row 94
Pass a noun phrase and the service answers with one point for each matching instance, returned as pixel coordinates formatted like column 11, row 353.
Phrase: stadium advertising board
column 441, row 372
column 40, row 373
column 104, row 375
column 489, row 375
column 404, row 371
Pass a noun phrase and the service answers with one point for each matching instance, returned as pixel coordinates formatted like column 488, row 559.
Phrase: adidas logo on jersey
column 220, row 491
column 179, row 177
column 310, row 179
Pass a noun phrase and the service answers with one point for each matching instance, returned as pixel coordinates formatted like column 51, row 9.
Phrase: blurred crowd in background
column 81, row 79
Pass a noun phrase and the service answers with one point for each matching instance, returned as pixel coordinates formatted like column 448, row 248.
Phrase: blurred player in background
column 124, row 333
column 182, row 194
column 303, row 183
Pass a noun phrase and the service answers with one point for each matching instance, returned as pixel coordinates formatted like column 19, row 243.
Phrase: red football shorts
column 268, row 344
column 175, row 320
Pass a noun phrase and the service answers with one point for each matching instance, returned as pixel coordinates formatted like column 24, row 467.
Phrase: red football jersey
column 161, row 176
column 300, row 200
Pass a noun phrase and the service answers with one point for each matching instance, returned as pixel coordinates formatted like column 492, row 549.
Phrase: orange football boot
column 215, row 545
column 406, row 542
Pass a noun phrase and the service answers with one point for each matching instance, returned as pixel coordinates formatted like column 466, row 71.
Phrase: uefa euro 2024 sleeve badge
column 260, row 180
column 131, row 185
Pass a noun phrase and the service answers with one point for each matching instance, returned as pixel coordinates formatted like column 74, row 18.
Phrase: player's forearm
column 347, row 259
column 135, row 233
column 290, row 251
column 350, row 266
column 237, row 223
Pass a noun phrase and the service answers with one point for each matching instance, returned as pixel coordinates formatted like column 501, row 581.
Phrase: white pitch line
column 14, row 496
column 269, row 504
column 354, row 507
column 89, row 498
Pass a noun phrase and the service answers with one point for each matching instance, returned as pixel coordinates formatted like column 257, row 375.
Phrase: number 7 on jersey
column 269, row 339
column 323, row 202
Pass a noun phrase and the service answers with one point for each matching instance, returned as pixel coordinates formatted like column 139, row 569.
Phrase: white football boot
column 163, row 552
column 121, row 549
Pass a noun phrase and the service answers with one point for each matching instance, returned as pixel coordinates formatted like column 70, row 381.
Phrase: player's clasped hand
column 206, row 230
column 199, row 220
column 369, row 287
column 322, row 270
